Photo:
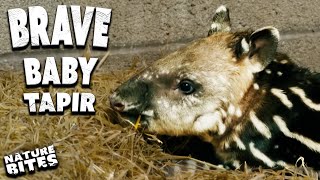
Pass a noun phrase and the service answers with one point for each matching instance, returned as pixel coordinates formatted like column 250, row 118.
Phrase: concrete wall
column 149, row 29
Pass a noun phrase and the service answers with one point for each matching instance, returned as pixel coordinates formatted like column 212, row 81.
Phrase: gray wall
column 147, row 30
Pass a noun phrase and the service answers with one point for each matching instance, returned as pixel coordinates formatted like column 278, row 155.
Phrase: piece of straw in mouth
column 137, row 122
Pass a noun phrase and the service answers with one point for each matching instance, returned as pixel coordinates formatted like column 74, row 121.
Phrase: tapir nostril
column 116, row 105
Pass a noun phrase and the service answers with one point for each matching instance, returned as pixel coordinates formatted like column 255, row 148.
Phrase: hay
column 91, row 147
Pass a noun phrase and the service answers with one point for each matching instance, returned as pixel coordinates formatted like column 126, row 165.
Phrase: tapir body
column 234, row 91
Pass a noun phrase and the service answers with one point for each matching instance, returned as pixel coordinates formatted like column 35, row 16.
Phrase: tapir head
column 193, row 90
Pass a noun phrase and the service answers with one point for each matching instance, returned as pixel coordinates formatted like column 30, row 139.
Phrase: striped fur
column 272, row 133
column 290, row 115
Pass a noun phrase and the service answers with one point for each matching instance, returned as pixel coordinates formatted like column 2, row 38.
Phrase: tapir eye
column 186, row 87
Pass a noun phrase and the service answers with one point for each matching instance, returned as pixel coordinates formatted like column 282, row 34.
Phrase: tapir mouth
column 138, row 121
column 133, row 114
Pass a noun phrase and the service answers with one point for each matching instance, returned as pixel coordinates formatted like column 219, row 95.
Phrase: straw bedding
column 92, row 147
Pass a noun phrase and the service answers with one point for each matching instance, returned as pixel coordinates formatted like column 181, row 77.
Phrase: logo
column 19, row 163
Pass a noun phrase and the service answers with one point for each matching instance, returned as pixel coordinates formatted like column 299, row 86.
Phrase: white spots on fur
column 145, row 75
column 190, row 76
column 282, row 97
column 210, row 121
column 221, row 8
column 202, row 122
column 193, row 77
column 279, row 73
column 221, row 127
column 236, row 164
column 218, row 27
column 149, row 113
column 238, row 112
column 231, row 110
column 245, row 45
column 164, row 71
column 226, row 145
column 300, row 92
column 239, row 143
column 304, row 140
column 215, row 26
column 268, row 71
column 256, row 86
column 259, row 125
column 238, row 128
column 223, row 113
column 284, row 61
column 276, row 146
column 260, row 155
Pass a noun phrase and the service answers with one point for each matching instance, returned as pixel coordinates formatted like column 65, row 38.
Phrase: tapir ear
column 220, row 21
column 262, row 47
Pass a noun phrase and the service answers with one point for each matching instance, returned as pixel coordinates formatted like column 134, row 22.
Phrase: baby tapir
column 234, row 91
